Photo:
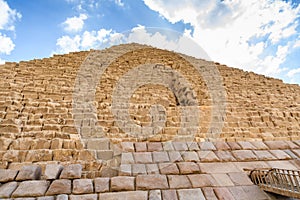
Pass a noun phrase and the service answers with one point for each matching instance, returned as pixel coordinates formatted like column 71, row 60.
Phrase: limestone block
column 84, row 197
column 151, row 182
column 132, row 195
column 179, row 181
column 190, row 194
column 29, row 172
column 122, row 183
column 98, row 144
column 101, row 184
column 160, row 157
column 60, row 186
column 7, row 189
column 52, row 171
column 7, row 175
column 31, row 188
column 72, row 171
column 168, row 168
column 169, row 194
column 83, row 186
column 188, row 167
column 154, row 195
column 201, row 180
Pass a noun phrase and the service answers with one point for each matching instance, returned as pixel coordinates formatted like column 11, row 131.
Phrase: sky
column 260, row 36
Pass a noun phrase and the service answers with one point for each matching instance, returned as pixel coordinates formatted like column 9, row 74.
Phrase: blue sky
column 261, row 36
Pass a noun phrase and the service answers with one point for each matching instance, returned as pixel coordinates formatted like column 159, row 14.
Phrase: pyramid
column 146, row 123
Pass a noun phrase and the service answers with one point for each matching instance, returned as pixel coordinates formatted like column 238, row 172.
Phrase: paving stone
column 60, row 186
column 225, row 156
column 138, row 169
column 240, row 178
column 140, row 146
column 84, row 197
column 31, row 188
column 254, row 192
column 154, row 195
column 209, row 193
column 222, row 180
column 152, row 168
column 207, row 146
column 244, row 155
column 238, row 193
column 127, row 146
column 62, row 197
column 207, row 156
column 280, row 154
column 223, row 193
column 180, row 146
column 259, row 145
column 190, row 194
column 7, row 175
column 277, row 144
column 7, row 189
column 221, row 145
column 246, row 145
column 263, row 155
column 52, row 171
column 179, row 181
column 154, row 146
column 125, row 170
column 101, row 184
column 142, row 157
column 188, row 167
column 46, row 198
column 71, row 171
column 160, row 157
column 132, row 195
column 168, row 146
column 29, row 172
column 234, row 146
column 98, row 144
column 83, row 186
column 175, row 156
column 190, row 156
column 219, row 167
column 169, row 195
column 193, row 146
column 127, row 158
column 151, row 182
column 168, row 168
column 202, row 180
column 122, row 183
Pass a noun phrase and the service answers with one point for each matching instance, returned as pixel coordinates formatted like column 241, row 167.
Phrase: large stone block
column 31, row 188
column 151, row 182
column 72, row 171
column 29, row 172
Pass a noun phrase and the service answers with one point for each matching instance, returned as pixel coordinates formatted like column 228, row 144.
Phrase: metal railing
column 281, row 181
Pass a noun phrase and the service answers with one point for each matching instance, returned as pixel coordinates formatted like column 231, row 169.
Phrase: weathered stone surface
column 53, row 171
column 83, row 186
column 98, row 144
column 122, row 183
column 190, row 194
column 105, row 154
column 168, row 168
column 7, row 189
column 246, row 145
column 280, row 154
column 219, row 168
column 254, row 192
column 132, row 195
column 240, row 178
column 160, row 157
column 7, row 175
column 175, row 156
column 154, row 146
column 127, row 146
column 221, row 145
column 101, row 184
column 190, row 156
column 29, row 172
column 222, row 180
column 127, row 158
column 179, row 181
column 202, row 180
column 207, row 156
column 225, row 156
column 151, row 182
column 142, row 157
column 154, row 195
column 168, row 146
column 140, row 146
column 31, row 188
column 62, row 197
column 60, row 186
column 223, row 193
column 209, row 193
column 263, row 155
column 207, row 146
column 72, row 171
column 180, row 146
column 138, row 169
column 244, row 155
column 238, row 193
column 84, row 197
column 46, row 198
column 188, row 167
column 193, row 146
column 277, row 144
column 234, row 145
column 169, row 194
column 152, row 168
column 125, row 170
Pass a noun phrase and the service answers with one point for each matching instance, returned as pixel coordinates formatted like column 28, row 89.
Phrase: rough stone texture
column 142, row 157
column 122, row 183
column 188, row 167
column 190, row 194
column 224, row 193
column 7, row 189
column 72, row 171
column 202, row 180
column 169, row 194
column 53, row 171
column 151, row 182
column 7, row 175
column 168, row 168
column 60, row 186
column 132, row 195
column 31, row 172
column 101, row 184
column 83, row 186
column 154, row 195
column 209, row 193
column 62, row 197
column 179, row 181
column 31, row 188
column 46, row 198
column 84, row 197
column 154, row 146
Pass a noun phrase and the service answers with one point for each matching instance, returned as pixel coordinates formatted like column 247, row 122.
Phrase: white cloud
column 67, row 44
column 293, row 72
column 6, row 44
column 8, row 16
column 297, row 43
column 234, row 32
column 119, row 3
column 75, row 24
